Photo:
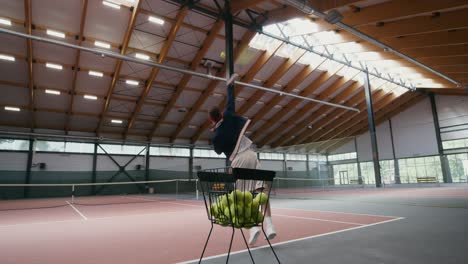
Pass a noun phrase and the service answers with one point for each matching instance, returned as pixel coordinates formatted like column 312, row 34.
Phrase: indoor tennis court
column 233, row 131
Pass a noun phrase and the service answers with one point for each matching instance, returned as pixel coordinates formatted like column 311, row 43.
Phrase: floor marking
column 292, row 241
column 76, row 210
column 318, row 219
column 335, row 212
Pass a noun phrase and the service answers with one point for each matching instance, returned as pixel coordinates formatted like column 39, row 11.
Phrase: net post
column 73, row 194
column 177, row 189
column 196, row 188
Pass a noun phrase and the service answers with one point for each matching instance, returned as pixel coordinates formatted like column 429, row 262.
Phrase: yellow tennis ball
column 222, row 55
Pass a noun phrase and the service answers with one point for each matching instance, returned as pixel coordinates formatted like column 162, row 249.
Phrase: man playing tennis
column 228, row 137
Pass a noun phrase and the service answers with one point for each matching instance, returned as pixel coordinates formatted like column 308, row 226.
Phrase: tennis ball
column 262, row 198
column 259, row 218
column 255, row 205
column 223, row 200
column 237, row 210
column 245, row 197
column 222, row 55
column 214, row 210
column 248, row 210
column 227, row 212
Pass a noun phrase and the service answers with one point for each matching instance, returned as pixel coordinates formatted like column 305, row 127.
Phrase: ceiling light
column 111, row 4
column 116, row 121
column 96, row 73
column 142, row 56
column 277, row 106
column 90, row 97
column 192, row 126
column 55, row 33
column 52, row 92
column 102, row 44
column 5, row 21
column 54, row 66
column 11, row 108
column 217, row 95
column 309, row 127
column 7, row 57
column 156, row 20
column 131, row 82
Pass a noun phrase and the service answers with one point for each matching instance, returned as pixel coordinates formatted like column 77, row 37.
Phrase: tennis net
column 32, row 196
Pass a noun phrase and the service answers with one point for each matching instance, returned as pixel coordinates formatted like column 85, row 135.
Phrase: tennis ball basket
column 236, row 198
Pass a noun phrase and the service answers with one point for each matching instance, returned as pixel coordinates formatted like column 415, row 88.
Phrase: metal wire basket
column 236, row 197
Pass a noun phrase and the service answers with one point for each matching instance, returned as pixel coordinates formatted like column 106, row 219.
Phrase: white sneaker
column 271, row 232
column 254, row 233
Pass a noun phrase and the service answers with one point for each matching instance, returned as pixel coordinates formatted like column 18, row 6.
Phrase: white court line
column 159, row 201
column 333, row 212
column 78, row 211
column 318, row 219
column 292, row 241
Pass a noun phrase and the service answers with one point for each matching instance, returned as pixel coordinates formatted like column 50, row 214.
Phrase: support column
column 229, row 51
column 307, row 165
column 27, row 180
column 443, row 159
column 360, row 181
column 373, row 137
column 190, row 164
column 147, row 163
column 93, row 176
column 285, row 165
column 396, row 166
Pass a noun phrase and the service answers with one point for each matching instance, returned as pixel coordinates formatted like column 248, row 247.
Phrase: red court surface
column 166, row 231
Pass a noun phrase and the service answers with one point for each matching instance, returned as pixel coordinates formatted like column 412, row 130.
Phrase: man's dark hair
column 215, row 114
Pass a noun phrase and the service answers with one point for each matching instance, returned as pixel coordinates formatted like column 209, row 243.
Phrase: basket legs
column 206, row 243
column 247, row 245
column 230, row 245
column 268, row 240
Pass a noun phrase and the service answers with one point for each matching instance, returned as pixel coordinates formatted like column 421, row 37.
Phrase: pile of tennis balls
column 238, row 208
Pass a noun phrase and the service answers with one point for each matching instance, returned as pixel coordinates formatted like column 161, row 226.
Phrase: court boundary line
column 336, row 212
column 318, row 219
column 78, row 211
column 292, row 241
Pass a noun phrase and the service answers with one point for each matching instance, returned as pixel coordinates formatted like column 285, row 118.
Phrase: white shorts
column 248, row 160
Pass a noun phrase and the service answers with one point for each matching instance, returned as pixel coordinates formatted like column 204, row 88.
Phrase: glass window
column 345, row 173
column 271, row 156
column 14, row 144
column 51, row 146
column 207, row 153
column 458, row 164
column 122, row 149
column 457, row 143
column 413, row 168
column 168, row 151
column 296, row 157
column 78, row 147
column 343, row 156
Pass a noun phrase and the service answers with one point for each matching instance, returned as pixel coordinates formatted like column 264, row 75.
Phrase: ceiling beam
column 272, row 80
column 209, row 40
column 30, row 54
column 398, row 9
column 293, row 84
column 84, row 7
column 417, row 25
column 248, row 77
column 155, row 71
column 319, row 114
column 291, row 106
column 240, row 48
column 290, row 124
column 239, row 5
column 118, row 66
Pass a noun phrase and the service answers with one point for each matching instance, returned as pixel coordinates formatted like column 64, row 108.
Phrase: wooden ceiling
column 433, row 32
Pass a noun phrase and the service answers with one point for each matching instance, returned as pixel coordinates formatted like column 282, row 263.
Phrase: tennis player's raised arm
column 230, row 101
